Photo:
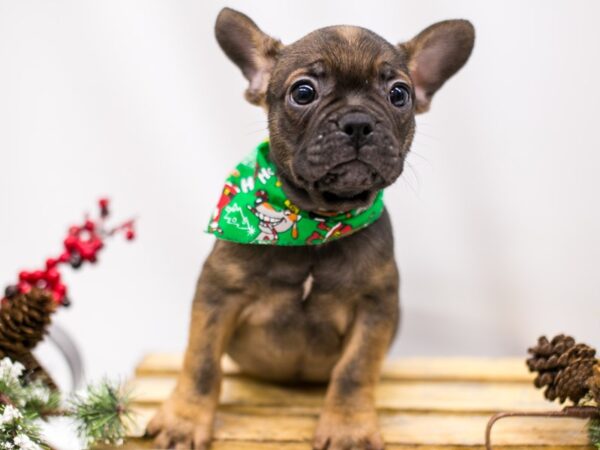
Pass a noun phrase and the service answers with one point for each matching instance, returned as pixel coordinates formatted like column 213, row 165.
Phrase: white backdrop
column 496, row 219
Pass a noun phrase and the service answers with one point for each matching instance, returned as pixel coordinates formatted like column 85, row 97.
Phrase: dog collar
column 253, row 209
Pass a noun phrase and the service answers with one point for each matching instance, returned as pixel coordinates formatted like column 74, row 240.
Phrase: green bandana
column 253, row 209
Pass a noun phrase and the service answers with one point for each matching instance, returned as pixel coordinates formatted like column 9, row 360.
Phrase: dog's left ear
column 253, row 51
column 435, row 54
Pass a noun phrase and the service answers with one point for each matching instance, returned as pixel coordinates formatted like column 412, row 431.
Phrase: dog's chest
column 307, row 286
column 303, row 293
column 310, row 273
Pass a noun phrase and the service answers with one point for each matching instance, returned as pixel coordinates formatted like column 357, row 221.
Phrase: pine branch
column 18, row 430
column 102, row 413
column 594, row 432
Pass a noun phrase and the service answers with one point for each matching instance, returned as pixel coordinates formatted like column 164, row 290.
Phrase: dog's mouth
column 360, row 197
column 343, row 187
column 352, row 182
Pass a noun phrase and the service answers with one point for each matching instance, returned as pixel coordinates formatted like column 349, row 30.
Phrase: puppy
column 341, row 105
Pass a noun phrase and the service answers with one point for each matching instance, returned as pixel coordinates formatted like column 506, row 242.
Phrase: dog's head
column 342, row 101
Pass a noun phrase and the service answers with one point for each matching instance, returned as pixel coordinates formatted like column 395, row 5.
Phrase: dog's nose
column 359, row 126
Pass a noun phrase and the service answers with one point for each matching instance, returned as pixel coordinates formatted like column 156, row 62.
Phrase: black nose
column 359, row 126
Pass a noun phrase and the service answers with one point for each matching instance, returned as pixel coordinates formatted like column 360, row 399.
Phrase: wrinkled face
column 341, row 102
column 341, row 116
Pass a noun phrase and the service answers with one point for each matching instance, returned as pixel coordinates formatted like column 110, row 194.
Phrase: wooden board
column 436, row 404
column 459, row 396
column 406, row 369
column 136, row 443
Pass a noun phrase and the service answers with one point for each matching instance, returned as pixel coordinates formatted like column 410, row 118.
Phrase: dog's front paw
column 181, row 424
column 354, row 431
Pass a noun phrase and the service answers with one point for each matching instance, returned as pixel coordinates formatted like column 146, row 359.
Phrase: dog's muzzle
column 349, row 180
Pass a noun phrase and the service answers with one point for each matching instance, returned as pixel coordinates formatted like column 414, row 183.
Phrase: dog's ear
column 435, row 54
column 253, row 51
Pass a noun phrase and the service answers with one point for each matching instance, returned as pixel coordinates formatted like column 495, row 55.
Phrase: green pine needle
column 22, row 432
column 594, row 432
column 33, row 398
column 38, row 400
column 102, row 413
column 10, row 378
column 20, row 404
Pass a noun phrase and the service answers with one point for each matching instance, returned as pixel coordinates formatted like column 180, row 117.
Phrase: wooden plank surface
column 404, row 369
column 407, row 396
column 133, row 444
column 400, row 428
column 435, row 404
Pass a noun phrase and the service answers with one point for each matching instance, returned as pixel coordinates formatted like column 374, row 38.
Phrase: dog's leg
column 186, row 419
column 349, row 418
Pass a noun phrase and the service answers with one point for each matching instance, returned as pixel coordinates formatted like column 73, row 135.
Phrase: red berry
column 103, row 203
column 130, row 235
column 71, row 242
column 24, row 287
column 89, row 225
column 86, row 253
column 51, row 263
column 65, row 257
column 76, row 260
column 96, row 243
column 60, row 289
column 23, row 276
column 37, row 275
column 52, row 276
column 74, row 230
column 80, row 246
column 11, row 291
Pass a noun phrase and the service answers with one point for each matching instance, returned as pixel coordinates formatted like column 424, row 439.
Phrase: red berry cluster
column 81, row 245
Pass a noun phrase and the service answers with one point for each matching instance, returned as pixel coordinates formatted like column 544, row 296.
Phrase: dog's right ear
column 253, row 51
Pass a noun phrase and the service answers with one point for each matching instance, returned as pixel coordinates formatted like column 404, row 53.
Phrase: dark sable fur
column 207, row 375
column 351, row 67
column 369, row 250
column 251, row 301
column 347, row 383
column 289, row 266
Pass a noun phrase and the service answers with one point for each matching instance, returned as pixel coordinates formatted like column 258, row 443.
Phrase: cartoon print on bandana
column 272, row 221
column 326, row 231
column 236, row 217
column 229, row 191
column 254, row 209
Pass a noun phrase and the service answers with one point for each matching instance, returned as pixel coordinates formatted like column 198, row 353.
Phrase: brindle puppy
column 341, row 104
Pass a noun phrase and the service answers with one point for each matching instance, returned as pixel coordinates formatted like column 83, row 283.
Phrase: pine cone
column 594, row 384
column 563, row 366
column 24, row 321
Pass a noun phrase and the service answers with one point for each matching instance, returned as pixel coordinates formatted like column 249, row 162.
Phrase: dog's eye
column 399, row 95
column 303, row 93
